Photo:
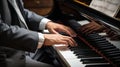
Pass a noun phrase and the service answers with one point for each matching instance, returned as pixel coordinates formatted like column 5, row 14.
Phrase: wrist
column 43, row 23
column 49, row 23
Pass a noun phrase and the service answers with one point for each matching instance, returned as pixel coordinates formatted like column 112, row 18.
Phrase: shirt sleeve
column 43, row 23
column 41, row 40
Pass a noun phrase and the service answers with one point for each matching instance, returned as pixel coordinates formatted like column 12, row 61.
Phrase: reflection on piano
column 93, row 50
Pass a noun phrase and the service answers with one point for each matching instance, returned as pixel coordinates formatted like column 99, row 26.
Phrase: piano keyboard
column 110, row 51
column 83, row 56
column 72, row 60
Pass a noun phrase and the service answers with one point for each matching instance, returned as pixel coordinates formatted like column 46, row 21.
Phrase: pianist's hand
column 91, row 27
column 51, row 39
column 55, row 28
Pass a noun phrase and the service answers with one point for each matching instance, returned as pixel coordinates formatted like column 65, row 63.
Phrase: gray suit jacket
column 13, row 33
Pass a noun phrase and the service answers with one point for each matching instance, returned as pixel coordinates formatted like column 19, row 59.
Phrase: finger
column 64, row 42
column 54, row 31
column 74, row 42
column 70, row 32
column 70, row 41
column 65, row 38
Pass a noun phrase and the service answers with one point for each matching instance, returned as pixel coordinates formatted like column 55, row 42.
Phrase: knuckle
column 70, row 37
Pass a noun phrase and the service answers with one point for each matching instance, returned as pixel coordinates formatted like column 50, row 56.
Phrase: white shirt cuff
column 43, row 23
column 41, row 40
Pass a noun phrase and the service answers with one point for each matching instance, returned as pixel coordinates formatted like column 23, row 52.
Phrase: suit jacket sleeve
column 18, row 38
column 33, row 20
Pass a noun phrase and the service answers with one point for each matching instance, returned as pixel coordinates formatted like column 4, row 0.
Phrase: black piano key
column 97, row 39
column 116, row 58
column 93, row 60
column 100, row 65
column 89, row 58
column 102, row 42
column 113, row 52
column 80, row 51
column 110, row 50
column 105, row 45
column 79, row 47
column 86, row 56
column 116, row 61
column 94, row 36
column 98, row 45
column 82, row 56
column 84, row 52
column 80, row 43
column 106, row 48
column 113, row 55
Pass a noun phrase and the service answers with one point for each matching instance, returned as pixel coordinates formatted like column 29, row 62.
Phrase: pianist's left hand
column 55, row 28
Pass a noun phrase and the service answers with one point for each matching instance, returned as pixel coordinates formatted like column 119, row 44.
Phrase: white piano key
column 68, row 56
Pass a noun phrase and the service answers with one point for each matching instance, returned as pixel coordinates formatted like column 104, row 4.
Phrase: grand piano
column 93, row 50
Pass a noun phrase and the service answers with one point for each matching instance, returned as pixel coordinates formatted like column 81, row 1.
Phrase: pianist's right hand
column 51, row 39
